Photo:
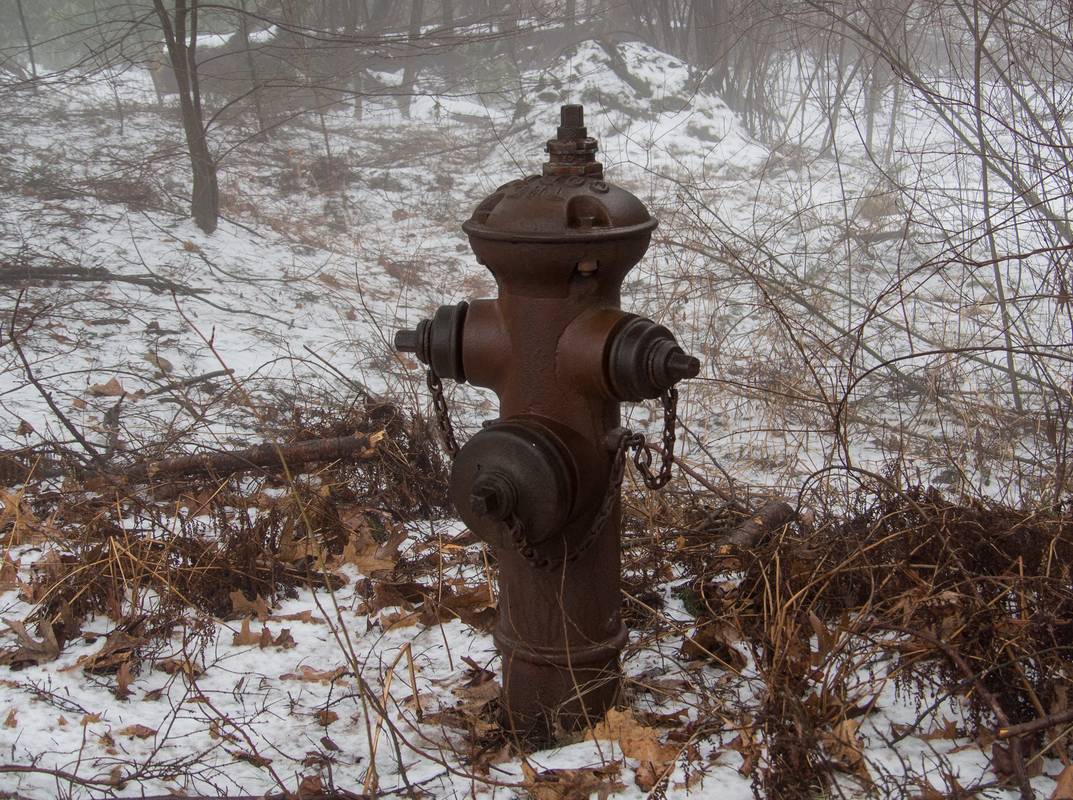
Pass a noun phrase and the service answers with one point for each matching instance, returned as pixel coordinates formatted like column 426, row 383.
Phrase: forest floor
column 329, row 631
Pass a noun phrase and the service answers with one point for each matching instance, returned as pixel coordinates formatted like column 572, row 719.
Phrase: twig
column 1048, row 721
column 357, row 387
column 1016, row 755
column 45, row 394
column 208, row 376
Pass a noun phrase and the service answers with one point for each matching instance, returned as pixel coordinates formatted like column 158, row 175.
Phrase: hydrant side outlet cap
column 518, row 467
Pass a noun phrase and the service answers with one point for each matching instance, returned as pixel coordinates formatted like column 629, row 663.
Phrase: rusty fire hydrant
column 541, row 484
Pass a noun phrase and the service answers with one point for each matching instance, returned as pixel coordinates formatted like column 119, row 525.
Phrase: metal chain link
column 443, row 416
column 642, row 450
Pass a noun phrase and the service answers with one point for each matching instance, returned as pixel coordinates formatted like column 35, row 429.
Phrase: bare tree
column 180, row 38
column 29, row 39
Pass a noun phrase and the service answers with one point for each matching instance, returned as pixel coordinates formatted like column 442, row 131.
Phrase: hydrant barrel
column 541, row 483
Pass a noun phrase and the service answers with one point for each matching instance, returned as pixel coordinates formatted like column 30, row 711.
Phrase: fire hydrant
column 541, row 484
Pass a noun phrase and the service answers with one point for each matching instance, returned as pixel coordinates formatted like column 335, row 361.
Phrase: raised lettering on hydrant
column 541, row 484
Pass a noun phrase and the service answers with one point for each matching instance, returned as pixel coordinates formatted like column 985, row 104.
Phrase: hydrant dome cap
column 557, row 208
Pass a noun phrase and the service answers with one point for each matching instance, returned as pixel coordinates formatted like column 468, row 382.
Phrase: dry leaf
column 310, row 786
column 636, row 740
column 250, row 758
column 404, row 594
column 646, row 776
column 312, row 675
column 9, row 574
column 1064, row 788
column 246, row 637
column 948, row 730
column 159, row 362
column 123, row 681
column 714, row 642
column 825, row 640
column 18, row 521
column 570, row 784
column 243, row 607
column 298, row 616
column 138, row 732
column 175, row 665
column 399, row 620
column 284, row 641
column 364, row 552
column 1004, row 765
column 11, row 721
column 325, row 717
column 113, row 388
column 475, row 606
column 745, row 743
column 116, row 651
column 844, row 748
column 329, row 745
column 475, row 696
column 29, row 649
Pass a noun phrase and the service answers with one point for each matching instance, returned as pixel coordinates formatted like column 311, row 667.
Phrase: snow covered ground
column 297, row 295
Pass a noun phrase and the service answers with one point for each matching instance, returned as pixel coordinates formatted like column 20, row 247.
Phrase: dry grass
column 944, row 598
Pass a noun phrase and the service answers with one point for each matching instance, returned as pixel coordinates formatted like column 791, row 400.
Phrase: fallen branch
column 1049, row 721
column 773, row 515
column 263, row 456
column 22, row 274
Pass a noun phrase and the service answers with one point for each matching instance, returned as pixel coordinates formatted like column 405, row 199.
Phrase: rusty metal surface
column 541, row 484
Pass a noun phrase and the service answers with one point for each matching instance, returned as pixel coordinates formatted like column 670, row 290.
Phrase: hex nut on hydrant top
column 541, row 484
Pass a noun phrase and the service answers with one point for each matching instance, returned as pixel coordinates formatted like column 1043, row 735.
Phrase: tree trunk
column 29, row 39
column 409, row 73
column 989, row 220
column 205, row 202
column 255, row 87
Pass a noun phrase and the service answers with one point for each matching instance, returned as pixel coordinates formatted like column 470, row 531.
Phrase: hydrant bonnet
column 570, row 201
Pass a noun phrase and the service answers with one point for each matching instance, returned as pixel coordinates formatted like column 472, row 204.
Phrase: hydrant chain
column 642, row 452
column 443, row 416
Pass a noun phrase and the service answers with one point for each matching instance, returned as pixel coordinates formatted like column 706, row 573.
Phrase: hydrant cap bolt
column 572, row 151
column 572, row 123
column 680, row 366
column 416, row 341
column 493, row 495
